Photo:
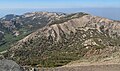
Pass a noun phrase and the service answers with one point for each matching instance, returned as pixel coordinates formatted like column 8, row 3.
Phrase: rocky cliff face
column 79, row 36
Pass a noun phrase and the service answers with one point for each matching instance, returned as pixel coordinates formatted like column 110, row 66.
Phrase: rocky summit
column 73, row 37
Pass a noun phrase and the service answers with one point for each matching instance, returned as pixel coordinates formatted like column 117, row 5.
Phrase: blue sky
column 59, row 3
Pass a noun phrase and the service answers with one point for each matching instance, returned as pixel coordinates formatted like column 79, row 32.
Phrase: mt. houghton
column 55, row 39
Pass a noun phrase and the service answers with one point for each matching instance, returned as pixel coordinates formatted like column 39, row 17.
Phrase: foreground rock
column 9, row 65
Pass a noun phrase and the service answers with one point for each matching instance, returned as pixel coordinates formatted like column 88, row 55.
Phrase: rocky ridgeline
column 16, row 27
column 13, row 22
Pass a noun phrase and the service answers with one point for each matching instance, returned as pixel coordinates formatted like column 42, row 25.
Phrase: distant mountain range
column 111, row 13
column 55, row 39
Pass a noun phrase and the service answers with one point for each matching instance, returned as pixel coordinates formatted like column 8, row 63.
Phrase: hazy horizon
column 111, row 13
column 104, row 8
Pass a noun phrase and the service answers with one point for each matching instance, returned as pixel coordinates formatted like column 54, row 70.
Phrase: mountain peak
column 76, row 36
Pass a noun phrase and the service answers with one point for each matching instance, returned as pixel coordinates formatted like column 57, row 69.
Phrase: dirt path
column 111, row 67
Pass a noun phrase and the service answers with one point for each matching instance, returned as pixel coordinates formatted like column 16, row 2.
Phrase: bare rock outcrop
column 9, row 65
